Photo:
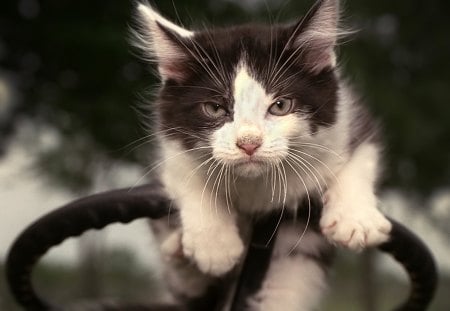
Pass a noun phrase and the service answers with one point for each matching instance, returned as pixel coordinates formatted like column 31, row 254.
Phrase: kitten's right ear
column 162, row 41
column 316, row 35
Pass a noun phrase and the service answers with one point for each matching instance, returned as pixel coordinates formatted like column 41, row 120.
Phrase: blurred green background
column 67, row 69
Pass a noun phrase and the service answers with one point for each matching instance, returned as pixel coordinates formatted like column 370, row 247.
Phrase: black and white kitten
column 256, row 118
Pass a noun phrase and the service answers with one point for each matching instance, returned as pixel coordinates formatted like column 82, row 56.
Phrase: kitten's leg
column 295, row 281
column 350, row 216
column 210, row 235
column 183, row 278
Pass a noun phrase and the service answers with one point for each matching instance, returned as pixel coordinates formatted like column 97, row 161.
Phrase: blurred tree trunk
column 368, row 282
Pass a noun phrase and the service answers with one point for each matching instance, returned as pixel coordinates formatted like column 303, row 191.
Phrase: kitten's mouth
column 250, row 161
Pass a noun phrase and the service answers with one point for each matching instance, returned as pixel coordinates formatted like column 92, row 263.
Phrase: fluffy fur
column 256, row 118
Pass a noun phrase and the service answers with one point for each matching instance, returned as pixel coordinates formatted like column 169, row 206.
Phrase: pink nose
column 249, row 148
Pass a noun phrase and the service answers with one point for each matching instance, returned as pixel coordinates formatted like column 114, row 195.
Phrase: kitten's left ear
column 315, row 36
column 162, row 41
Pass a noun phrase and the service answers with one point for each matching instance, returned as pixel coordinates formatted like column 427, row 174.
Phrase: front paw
column 215, row 252
column 354, row 223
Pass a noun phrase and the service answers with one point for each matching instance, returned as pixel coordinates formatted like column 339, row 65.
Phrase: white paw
column 354, row 222
column 215, row 251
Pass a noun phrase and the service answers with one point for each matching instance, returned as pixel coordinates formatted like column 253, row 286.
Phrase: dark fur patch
column 364, row 128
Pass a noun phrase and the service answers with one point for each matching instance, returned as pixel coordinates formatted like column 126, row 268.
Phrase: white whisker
column 285, row 185
column 228, row 188
column 209, row 174
column 303, row 162
column 309, row 207
column 158, row 164
column 318, row 146
column 196, row 169
column 319, row 161
column 216, row 186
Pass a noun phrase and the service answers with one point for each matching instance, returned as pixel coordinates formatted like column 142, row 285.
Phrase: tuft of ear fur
column 161, row 41
column 316, row 35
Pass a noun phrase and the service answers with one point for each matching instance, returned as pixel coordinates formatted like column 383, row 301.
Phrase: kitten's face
column 246, row 95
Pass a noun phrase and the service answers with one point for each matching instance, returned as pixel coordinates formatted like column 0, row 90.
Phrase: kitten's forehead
column 250, row 53
column 249, row 96
column 253, row 44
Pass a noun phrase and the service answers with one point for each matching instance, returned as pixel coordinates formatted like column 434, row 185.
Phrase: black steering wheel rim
column 150, row 201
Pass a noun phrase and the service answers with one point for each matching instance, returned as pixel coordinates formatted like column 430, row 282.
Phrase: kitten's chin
column 250, row 169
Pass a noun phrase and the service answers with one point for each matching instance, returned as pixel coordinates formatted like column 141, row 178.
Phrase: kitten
column 254, row 119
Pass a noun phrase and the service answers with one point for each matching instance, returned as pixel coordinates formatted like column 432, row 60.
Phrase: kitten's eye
column 281, row 107
column 214, row 110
